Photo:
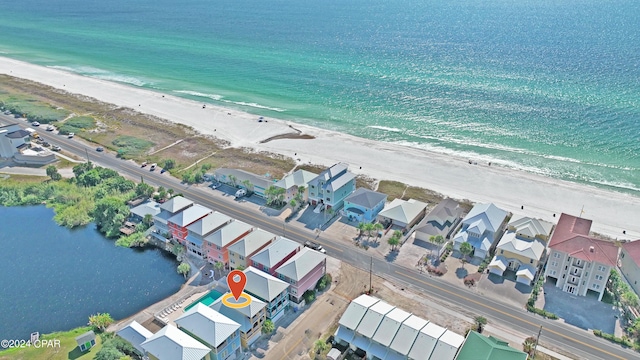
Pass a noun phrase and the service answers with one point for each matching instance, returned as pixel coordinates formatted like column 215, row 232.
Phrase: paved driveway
column 581, row 311
column 504, row 289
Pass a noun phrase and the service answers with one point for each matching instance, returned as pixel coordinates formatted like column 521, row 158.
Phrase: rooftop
column 169, row 343
column 207, row 324
column 148, row 208
column 209, row 223
column 189, row 215
column 276, row 252
column 633, row 249
column 176, row 204
column 366, row 198
column 403, row 211
column 252, row 242
column 18, row 134
column 373, row 318
column 531, row 249
column 241, row 175
column 301, row 264
column 531, row 227
column 479, row 347
column 297, row 178
column 263, row 285
column 489, row 215
column 229, row 233
column 240, row 315
column 571, row 236
column 135, row 333
column 356, row 310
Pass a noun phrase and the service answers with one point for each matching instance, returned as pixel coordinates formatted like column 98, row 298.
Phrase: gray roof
column 485, row 216
column 241, row 315
column 276, row 252
column 18, row 134
column 426, row 341
column 335, row 176
column 263, row 285
column 176, row 204
column 209, row 223
column 297, row 178
column 355, row 311
column 446, row 210
column 169, row 343
column 88, row 336
column 135, row 334
column 241, row 175
column 227, row 234
column 252, row 242
column 189, row 215
column 207, row 324
column 390, row 326
column 366, row 198
column 531, row 249
column 149, row 208
column 301, row 264
column 530, row 227
column 404, row 211
column 407, row 334
column 373, row 318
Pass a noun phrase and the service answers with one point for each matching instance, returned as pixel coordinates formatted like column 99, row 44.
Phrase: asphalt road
column 581, row 344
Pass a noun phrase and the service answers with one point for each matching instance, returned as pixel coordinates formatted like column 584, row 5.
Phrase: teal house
column 363, row 205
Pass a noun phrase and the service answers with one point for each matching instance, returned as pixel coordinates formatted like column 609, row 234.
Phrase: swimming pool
column 206, row 299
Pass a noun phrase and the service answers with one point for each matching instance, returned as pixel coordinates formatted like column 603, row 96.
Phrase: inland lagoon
column 53, row 278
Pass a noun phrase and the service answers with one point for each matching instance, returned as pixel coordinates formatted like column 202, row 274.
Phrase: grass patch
column 421, row 194
column 31, row 108
column 363, row 181
column 393, row 189
column 316, row 169
column 129, row 146
column 77, row 124
column 12, row 179
column 68, row 348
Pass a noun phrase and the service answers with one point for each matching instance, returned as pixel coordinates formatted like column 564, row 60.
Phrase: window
column 599, row 277
column 596, row 286
column 241, row 257
column 217, row 247
column 328, row 199
column 556, row 255
column 501, row 252
column 600, row 268
column 531, row 261
column 552, row 272
column 554, row 263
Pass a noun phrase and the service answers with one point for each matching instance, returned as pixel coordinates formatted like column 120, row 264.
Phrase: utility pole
column 536, row 345
column 370, row 275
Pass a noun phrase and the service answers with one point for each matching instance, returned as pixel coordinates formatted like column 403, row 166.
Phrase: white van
column 241, row 193
column 153, row 167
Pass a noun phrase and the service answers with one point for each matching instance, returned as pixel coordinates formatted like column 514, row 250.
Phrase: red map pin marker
column 237, row 287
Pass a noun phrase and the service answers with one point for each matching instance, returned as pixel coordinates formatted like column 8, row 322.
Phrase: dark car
column 45, row 144
column 99, row 149
column 163, row 171
column 315, row 246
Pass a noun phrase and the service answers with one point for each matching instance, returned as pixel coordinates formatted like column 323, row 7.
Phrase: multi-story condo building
column 332, row 186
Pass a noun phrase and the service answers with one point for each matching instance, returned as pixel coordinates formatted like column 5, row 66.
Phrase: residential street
column 582, row 344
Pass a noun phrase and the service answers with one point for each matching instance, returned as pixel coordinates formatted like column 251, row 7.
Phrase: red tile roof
column 572, row 236
column 633, row 249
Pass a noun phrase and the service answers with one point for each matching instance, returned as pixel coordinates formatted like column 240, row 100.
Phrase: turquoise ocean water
column 551, row 87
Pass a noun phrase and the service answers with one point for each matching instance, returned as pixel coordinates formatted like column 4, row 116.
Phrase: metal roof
column 263, row 285
column 209, row 223
column 227, row 234
column 447, row 346
column 135, row 334
column 252, row 242
column 276, row 252
column 207, row 324
column 426, row 342
column 490, row 215
column 148, row 208
column 356, row 310
column 172, row 344
column 404, row 211
column 373, row 318
column 189, row 215
column 366, row 198
column 407, row 334
column 241, row 315
column 301, row 264
column 176, row 204
column 297, row 178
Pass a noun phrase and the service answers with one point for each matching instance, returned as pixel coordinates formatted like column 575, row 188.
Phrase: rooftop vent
column 592, row 249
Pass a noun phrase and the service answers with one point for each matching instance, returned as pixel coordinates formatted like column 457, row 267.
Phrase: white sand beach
column 541, row 197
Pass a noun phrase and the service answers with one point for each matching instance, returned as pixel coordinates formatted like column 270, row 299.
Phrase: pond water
column 53, row 278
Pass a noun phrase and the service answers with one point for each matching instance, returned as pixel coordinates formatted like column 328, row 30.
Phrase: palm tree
column 300, row 193
column 368, row 227
column 219, row 265
column 480, row 322
column 362, row 227
column 528, row 345
column 394, row 240
column 320, row 346
column 437, row 239
column 465, row 250
column 377, row 227
column 293, row 203
column 248, row 185
column 148, row 219
column 234, row 180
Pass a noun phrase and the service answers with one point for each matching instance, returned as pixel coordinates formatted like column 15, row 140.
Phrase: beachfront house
column 86, row 341
column 274, row 255
column 521, row 248
column 383, row 331
column 630, row 263
column 202, row 228
column 169, row 343
column 480, row 347
column 577, row 263
column 15, row 143
column 332, row 186
column 441, row 221
column 253, row 183
column 294, row 181
column 364, row 205
column 269, row 289
column 138, row 213
column 481, row 228
column 249, row 317
column 218, row 242
column 219, row 333
column 179, row 222
column 135, row 334
column 302, row 272
column 167, row 210
column 402, row 213
column 243, row 249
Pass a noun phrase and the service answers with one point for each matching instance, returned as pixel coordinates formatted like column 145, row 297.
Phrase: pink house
column 303, row 271
column 217, row 243
column 274, row 255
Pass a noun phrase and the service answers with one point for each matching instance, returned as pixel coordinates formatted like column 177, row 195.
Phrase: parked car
column 153, row 167
column 71, row 135
column 214, row 185
column 315, row 246
column 143, row 164
column 56, row 148
column 50, row 128
column 7, row 112
column 35, row 123
column 45, row 144
column 241, row 193
column 99, row 149
column 163, row 171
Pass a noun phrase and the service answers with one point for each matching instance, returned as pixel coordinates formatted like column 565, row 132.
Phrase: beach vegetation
column 169, row 164
column 129, row 147
column 529, row 344
column 32, row 109
column 100, row 321
column 183, row 269
column 268, row 327
column 393, row 189
column 321, row 347
column 109, row 215
column 76, row 125
column 53, row 173
column 422, row 194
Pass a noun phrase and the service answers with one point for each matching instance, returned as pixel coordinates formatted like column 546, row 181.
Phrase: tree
column 368, row 228
column 219, row 265
column 53, row 173
column 268, row 327
column 184, row 269
column 465, row 250
column 528, row 345
column 100, row 321
column 275, row 195
column 480, row 322
column 240, row 267
column 629, row 298
column 300, row 193
column 393, row 241
column 320, row 346
column 170, row 192
column 234, row 180
column 148, row 219
column 144, row 190
column 362, row 228
column 178, row 250
column 82, row 168
column 169, row 164
column 109, row 214
column 249, row 186
column 309, row 296
column 109, row 353
column 437, row 239
column 293, row 203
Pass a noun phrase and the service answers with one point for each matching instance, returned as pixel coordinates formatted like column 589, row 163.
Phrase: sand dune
column 541, row 197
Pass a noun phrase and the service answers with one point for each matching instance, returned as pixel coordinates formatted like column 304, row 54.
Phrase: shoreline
column 611, row 212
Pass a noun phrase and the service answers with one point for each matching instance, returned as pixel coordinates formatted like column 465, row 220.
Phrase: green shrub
column 33, row 110
column 309, row 296
column 323, row 282
column 77, row 124
column 130, row 146
column 624, row 341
